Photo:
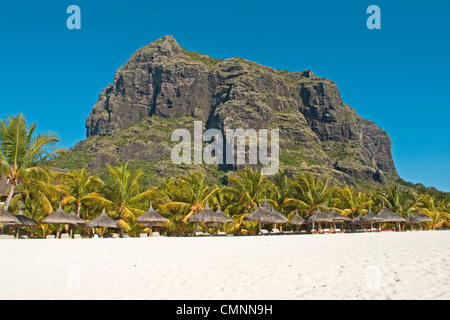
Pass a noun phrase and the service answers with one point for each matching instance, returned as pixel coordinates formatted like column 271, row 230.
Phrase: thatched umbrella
column 77, row 219
column 24, row 222
column 281, row 218
column 419, row 218
column 357, row 220
column 59, row 217
column 265, row 213
column 336, row 217
column 389, row 216
column 317, row 217
column 209, row 216
column 103, row 221
column 297, row 220
column 370, row 218
column 151, row 218
column 7, row 219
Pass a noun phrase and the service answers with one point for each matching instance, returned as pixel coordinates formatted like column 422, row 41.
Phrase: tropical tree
column 428, row 206
column 309, row 193
column 350, row 201
column 123, row 191
column 23, row 156
column 184, row 197
column 281, row 189
column 397, row 200
column 82, row 189
column 249, row 188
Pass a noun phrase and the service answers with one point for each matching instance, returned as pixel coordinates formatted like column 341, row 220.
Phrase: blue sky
column 398, row 76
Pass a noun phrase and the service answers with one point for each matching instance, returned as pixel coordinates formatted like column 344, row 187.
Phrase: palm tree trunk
column 10, row 195
column 79, row 209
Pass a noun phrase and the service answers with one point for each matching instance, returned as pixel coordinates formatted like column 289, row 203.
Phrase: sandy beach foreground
column 388, row 265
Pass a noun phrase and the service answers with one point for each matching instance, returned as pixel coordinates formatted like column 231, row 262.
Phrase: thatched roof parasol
column 370, row 217
column 103, row 221
column 419, row 218
column 76, row 218
column 317, row 216
column 210, row 216
column 59, row 217
column 389, row 216
column 265, row 213
column 281, row 217
column 297, row 220
column 357, row 220
column 151, row 217
column 25, row 221
column 336, row 217
column 8, row 219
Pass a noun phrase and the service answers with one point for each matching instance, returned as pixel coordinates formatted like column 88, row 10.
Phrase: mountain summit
column 164, row 86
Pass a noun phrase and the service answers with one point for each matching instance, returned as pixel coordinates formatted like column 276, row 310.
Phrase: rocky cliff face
column 318, row 132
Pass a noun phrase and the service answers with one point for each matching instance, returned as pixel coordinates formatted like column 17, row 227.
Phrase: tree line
column 38, row 191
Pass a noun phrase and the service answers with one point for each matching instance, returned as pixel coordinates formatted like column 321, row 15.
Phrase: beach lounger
column 221, row 233
column 143, row 235
column 115, row 235
column 6, row 237
column 275, row 231
column 264, row 232
column 201, row 234
column 77, row 236
column 50, row 236
column 155, row 234
column 65, row 236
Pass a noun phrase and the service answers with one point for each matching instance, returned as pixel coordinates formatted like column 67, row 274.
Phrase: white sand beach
column 387, row 265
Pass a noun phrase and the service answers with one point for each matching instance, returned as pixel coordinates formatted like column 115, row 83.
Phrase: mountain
column 163, row 87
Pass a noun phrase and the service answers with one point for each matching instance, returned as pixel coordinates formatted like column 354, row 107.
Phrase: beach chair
column 221, row 233
column 275, row 231
column 50, row 236
column 155, row 234
column 6, row 237
column 65, row 236
column 77, row 236
column 264, row 232
column 143, row 235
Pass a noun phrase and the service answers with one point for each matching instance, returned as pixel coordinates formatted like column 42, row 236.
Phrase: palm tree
column 22, row 156
column 428, row 206
column 123, row 192
column 184, row 197
column 249, row 188
column 82, row 189
column 309, row 193
column 281, row 189
column 397, row 200
column 350, row 201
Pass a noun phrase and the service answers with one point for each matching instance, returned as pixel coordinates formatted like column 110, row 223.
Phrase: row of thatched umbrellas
column 267, row 214
column 264, row 214
column 59, row 217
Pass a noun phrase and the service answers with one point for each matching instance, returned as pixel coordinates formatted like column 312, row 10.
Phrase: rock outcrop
column 162, row 80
